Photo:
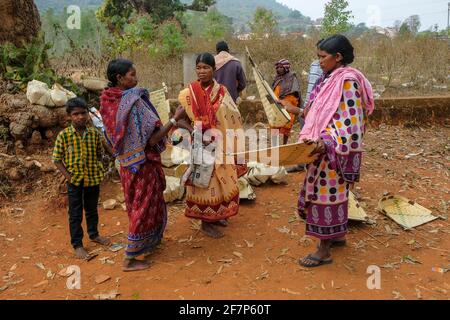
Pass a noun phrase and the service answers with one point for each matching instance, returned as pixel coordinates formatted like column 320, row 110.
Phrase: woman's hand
column 185, row 124
column 180, row 114
column 292, row 109
column 158, row 135
column 319, row 148
column 305, row 112
column 289, row 107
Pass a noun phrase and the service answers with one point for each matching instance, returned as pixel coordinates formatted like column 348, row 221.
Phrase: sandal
column 311, row 258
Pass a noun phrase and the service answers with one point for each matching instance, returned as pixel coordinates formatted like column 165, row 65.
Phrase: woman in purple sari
column 335, row 122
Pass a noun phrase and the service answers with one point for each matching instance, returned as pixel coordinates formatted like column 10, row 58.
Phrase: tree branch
column 200, row 5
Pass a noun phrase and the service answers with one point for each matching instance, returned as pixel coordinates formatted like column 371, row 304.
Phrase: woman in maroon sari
column 137, row 137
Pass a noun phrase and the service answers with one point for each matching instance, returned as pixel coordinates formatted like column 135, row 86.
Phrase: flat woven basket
column 405, row 212
column 355, row 211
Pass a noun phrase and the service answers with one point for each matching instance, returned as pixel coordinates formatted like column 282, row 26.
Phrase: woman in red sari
column 137, row 136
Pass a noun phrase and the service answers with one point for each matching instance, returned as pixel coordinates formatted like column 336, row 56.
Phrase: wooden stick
column 166, row 263
column 6, row 155
column 373, row 237
column 438, row 249
column 116, row 234
column 4, row 194
column 420, row 236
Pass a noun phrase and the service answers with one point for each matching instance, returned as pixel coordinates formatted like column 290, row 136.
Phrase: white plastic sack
column 280, row 176
column 173, row 156
column 60, row 95
column 255, row 174
column 245, row 189
column 96, row 118
column 59, row 98
column 39, row 93
column 259, row 174
column 174, row 189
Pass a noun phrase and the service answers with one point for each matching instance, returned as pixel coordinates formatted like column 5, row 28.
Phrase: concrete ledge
column 419, row 110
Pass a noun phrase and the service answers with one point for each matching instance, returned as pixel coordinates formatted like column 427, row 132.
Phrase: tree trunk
column 20, row 21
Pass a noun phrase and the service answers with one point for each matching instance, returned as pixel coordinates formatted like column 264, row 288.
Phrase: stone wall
column 396, row 111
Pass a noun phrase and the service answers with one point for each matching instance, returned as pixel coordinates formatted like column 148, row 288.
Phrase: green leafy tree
column 217, row 26
column 142, row 28
column 397, row 25
column 405, row 31
column 337, row 18
column 154, row 24
column 19, row 65
column 116, row 13
column 170, row 41
column 411, row 26
column 264, row 23
column 134, row 36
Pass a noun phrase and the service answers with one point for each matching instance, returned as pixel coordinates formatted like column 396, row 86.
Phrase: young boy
column 77, row 155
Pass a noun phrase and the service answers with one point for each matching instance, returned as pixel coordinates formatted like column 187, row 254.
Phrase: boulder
column 25, row 118
column 19, row 102
column 49, row 134
column 95, row 84
column 61, row 114
column 47, row 116
column 19, row 131
column 36, row 138
column 18, row 145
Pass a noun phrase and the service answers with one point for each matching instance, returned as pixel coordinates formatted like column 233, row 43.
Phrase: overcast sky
column 381, row 12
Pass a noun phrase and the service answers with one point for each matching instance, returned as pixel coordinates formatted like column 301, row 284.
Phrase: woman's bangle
column 173, row 121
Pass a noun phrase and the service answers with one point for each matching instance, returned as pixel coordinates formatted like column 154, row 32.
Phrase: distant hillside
column 240, row 10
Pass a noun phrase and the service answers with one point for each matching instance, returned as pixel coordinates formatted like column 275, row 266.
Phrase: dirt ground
column 257, row 259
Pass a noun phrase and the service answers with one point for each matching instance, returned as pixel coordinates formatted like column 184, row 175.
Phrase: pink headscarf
column 284, row 63
column 328, row 99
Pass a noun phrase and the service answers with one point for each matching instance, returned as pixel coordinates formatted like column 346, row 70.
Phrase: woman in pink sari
column 335, row 122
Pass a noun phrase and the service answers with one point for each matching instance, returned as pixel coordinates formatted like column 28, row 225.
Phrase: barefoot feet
column 135, row 265
column 210, row 230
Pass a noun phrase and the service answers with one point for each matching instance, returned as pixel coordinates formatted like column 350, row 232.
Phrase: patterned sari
column 221, row 199
column 130, row 120
column 324, row 196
